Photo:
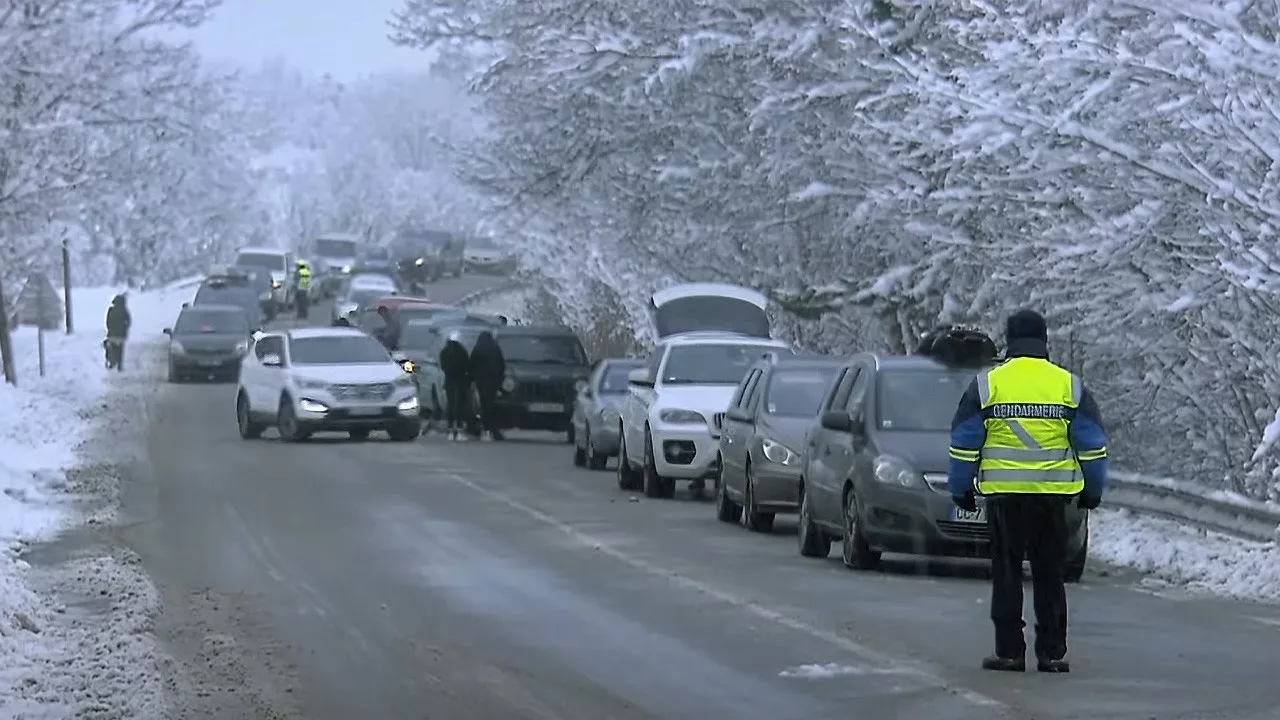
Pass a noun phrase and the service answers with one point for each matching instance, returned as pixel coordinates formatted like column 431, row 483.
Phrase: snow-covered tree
column 881, row 166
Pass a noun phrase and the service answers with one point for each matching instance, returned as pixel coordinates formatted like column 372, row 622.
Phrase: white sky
column 345, row 38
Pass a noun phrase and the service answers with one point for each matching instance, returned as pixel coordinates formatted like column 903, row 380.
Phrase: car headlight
column 276, row 284
column 404, row 381
column 242, row 347
column 891, row 470
column 776, row 452
column 408, row 366
column 420, row 262
column 175, row 348
column 309, row 384
column 610, row 416
column 681, row 417
column 508, row 384
column 346, row 269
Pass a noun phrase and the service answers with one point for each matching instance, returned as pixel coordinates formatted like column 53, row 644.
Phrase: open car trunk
column 709, row 307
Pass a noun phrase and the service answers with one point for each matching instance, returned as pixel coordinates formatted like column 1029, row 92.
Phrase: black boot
column 995, row 662
column 1046, row 665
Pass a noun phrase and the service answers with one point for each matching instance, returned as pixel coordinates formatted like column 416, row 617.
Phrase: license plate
column 969, row 516
column 546, row 407
column 364, row 412
column 210, row 363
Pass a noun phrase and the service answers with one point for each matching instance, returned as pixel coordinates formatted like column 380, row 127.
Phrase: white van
column 280, row 263
column 709, row 307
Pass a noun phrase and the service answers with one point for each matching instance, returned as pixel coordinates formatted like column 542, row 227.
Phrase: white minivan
column 280, row 263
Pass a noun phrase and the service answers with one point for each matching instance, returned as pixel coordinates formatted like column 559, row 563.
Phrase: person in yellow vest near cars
column 1029, row 438
column 302, row 289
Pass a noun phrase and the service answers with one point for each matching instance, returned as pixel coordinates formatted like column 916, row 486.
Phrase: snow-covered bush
column 880, row 166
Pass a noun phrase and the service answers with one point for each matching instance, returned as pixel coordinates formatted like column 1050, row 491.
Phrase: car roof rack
column 959, row 346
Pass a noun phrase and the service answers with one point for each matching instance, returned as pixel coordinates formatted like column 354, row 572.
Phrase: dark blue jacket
column 969, row 432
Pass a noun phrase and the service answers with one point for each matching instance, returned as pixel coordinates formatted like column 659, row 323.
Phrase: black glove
column 1086, row 502
column 966, row 502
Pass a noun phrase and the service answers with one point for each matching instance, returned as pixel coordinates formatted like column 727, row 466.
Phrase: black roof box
column 959, row 346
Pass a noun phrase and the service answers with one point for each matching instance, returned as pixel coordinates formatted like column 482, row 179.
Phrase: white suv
column 310, row 380
column 668, row 418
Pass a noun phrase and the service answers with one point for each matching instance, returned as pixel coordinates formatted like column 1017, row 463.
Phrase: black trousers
column 1034, row 526
column 302, row 299
column 488, row 395
column 457, row 404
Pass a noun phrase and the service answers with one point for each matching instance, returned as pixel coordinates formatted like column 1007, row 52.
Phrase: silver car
column 355, row 298
column 595, row 420
column 762, row 439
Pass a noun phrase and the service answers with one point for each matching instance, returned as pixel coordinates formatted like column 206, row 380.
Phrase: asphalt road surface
column 335, row 580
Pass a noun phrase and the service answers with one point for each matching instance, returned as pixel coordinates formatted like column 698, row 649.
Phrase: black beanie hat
column 1027, row 324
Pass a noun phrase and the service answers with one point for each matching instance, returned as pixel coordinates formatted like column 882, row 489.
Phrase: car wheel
column 752, row 518
column 287, row 423
column 1074, row 570
column 628, row 478
column 595, row 461
column 854, row 550
column 249, row 430
column 655, row 486
column 727, row 511
column 579, row 453
column 812, row 540
column 359, row 435
column 407, row 431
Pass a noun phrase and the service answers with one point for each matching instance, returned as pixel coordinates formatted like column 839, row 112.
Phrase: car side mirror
column 837, row 420
column 738, row 415
column 167, row 331
column 583, row 388
column 639, row 376
column 272, row 360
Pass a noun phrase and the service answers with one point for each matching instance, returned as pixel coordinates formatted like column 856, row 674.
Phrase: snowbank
column 51, row 664
column 1182, row 554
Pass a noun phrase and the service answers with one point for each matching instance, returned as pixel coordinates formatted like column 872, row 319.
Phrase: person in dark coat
column 488, row 369
column 389, row 333
column 455, row 364
column 118, row 323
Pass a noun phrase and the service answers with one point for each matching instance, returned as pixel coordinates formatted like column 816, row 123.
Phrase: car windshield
column 225, row 295
column 381, row 282
column 920, row 399
column 614, row 379
column 797, row 393
column 711, row 364
column 379, row 254
column 269, row 261
column 409, row 313
column 554, row 349
column 335, row 248
column 365, row 296
column 337, row 350
column 224, row 322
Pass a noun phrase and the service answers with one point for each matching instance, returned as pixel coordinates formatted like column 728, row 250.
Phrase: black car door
column 830, row 454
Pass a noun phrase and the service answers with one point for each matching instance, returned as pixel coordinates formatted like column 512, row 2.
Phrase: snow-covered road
column 78, row 617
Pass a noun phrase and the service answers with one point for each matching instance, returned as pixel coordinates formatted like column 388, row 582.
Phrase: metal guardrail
column 1185, row 503
column 486, row 293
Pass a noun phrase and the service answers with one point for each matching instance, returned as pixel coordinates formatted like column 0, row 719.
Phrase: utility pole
column 40, row 301
column 6, row 344
column 66, row 281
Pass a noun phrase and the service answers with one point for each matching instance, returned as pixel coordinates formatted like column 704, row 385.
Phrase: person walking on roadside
column 489, row 369
column 118, row 323
column 302, row 289
column 454, row 363
column 1028, row 437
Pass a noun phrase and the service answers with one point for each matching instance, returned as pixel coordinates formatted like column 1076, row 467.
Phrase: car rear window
column 920, row 399
column 797, row 393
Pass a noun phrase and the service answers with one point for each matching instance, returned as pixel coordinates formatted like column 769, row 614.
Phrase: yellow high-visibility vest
column 304, row 279
column 1027, row 406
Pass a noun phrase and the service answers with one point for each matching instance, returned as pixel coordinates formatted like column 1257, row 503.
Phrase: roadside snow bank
column 56, row 663
column 1182, row 554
